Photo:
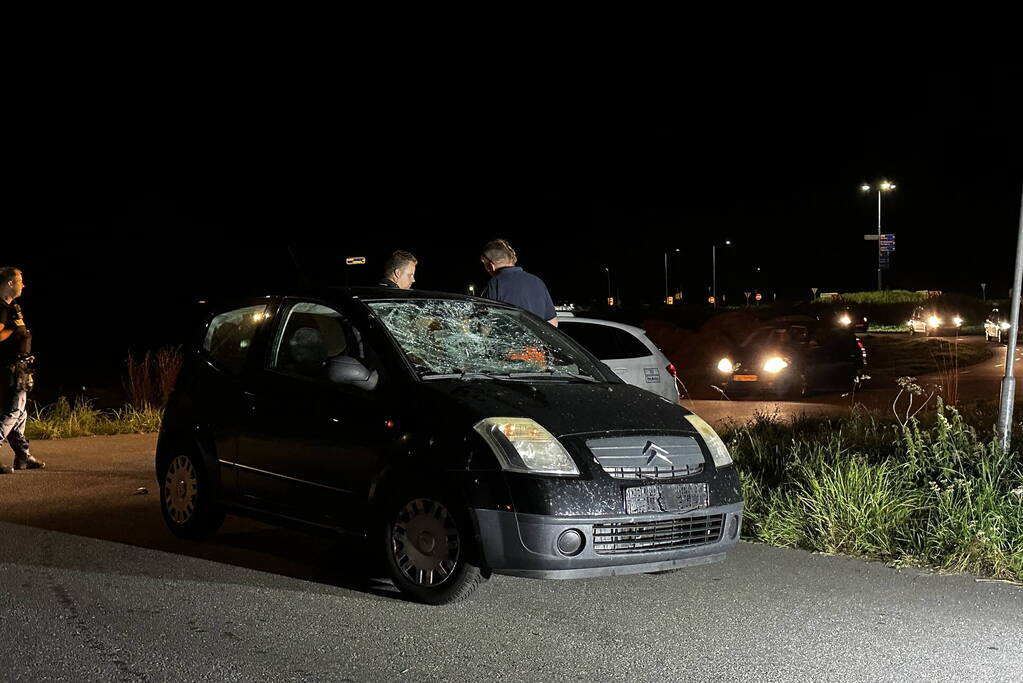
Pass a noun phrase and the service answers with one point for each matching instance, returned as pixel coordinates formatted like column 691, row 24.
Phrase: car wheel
column 186, row 498
column 429, row 552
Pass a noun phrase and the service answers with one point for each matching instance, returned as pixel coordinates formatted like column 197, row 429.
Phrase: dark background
column 133, row 199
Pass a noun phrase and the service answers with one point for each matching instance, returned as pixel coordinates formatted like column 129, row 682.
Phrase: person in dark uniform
column 399, row 270
column 512, row 285
column 15, row 371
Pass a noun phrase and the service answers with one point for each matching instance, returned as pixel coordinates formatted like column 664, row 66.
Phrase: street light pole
column 665, row 277
column 608, row 271
column 883, row 186
column 714, row 273
column 714, row 270
column 1008, row 389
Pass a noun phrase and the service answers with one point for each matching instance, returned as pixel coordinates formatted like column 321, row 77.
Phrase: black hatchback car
column 459, row 436
column 792, row 358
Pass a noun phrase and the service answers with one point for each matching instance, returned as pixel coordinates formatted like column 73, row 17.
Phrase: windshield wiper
column 464, row 375
column 550, row 372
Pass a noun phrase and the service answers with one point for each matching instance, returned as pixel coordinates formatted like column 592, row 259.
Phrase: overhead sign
column 355, row 261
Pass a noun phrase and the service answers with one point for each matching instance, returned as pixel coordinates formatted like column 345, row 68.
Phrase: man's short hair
column 499, row 251
column 8, row 273
column 397, row 261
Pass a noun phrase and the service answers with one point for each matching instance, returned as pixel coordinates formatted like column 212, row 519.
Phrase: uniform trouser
column 13, row 416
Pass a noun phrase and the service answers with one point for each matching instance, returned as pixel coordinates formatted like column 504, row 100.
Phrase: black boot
column 29, row 463
column 4, row 469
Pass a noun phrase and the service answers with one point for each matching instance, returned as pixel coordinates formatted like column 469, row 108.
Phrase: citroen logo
column 654, row 453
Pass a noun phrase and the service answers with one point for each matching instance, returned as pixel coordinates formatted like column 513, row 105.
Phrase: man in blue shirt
column 512, row 285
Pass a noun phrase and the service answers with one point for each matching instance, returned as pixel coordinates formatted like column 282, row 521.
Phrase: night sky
column 127, row 216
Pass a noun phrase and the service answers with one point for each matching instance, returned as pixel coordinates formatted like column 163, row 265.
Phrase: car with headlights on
column 626, row 350
column 934, row 323
column 998, row 324
column 459, row 437
column 793, row 358
column 849, row 319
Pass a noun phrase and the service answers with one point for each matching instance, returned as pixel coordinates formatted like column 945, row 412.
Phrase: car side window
column 309, row 336
column 605, row 342
column 229, row 336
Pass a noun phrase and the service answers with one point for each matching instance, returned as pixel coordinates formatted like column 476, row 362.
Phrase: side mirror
column 348, row 370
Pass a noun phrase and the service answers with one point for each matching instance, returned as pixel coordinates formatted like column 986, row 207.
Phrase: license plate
column 666, row 498
column 745, row 378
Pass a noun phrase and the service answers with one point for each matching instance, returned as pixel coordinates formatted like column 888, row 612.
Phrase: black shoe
column 30, row 464
column 4, row 469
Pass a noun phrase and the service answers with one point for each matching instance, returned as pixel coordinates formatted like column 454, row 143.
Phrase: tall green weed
column 940, row 493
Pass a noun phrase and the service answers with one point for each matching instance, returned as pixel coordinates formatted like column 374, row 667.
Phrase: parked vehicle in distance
column 460, row 437
column 934, row 323
column 626, row 350
column 792, row 358
column 998, row 324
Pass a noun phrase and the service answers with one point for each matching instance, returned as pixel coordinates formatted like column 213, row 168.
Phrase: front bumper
column 522, row 544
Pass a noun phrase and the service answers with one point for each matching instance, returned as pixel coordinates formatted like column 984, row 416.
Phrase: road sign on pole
column 355, row 261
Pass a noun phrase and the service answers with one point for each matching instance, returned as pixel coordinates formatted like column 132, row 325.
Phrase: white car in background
column 626, row 350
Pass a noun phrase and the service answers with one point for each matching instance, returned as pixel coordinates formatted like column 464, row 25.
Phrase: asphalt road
column 979, row 382
column 94, row 588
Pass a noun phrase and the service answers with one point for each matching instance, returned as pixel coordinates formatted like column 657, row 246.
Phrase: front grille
column 648, row 457
column 653, row 472
column 645, row 537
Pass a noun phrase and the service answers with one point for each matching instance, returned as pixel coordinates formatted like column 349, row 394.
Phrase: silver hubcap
column 424, row 541
column 180, row 489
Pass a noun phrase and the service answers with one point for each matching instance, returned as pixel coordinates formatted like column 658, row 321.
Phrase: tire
column 429, row 551
column 186, row 498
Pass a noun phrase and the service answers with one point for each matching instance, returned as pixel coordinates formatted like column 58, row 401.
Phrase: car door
column 309, row 447
column 225, row 358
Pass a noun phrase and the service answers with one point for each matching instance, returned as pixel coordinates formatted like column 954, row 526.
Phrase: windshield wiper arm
column 553, row 373
column 464, row 375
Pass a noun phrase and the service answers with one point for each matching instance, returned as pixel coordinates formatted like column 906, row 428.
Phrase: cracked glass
column 443, row 339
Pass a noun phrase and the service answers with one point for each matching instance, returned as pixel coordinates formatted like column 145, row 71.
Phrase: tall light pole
column 714, row 269
column 608, row 271
column 666, row 275
column 883, row 186
column 1007, row 395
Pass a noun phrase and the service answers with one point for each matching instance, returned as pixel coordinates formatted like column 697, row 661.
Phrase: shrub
column 149, row 381
column 940, row 493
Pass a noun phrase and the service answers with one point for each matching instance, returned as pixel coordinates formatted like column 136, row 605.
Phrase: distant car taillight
column 671, row 370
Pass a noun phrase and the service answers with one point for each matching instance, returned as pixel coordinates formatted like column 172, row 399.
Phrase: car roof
column 608, row 323
column 360, row 293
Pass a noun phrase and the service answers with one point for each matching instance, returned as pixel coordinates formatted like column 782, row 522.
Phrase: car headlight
column 934, row 321
column 725, row 365
column 522, row 445
column 1005, row 326
column 845, row 320
column 717, row 448
column 775, row 364
column 957, row 320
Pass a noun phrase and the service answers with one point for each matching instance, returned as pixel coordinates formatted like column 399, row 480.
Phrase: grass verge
column 940, row 494
column 62, row 420
column 892, row 356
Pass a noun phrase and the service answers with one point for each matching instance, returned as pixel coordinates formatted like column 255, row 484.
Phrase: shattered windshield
column 458, row 338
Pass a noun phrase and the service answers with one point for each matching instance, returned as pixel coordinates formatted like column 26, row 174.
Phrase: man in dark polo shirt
column 399, row 271
column 512, row 285
column 15, row 347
